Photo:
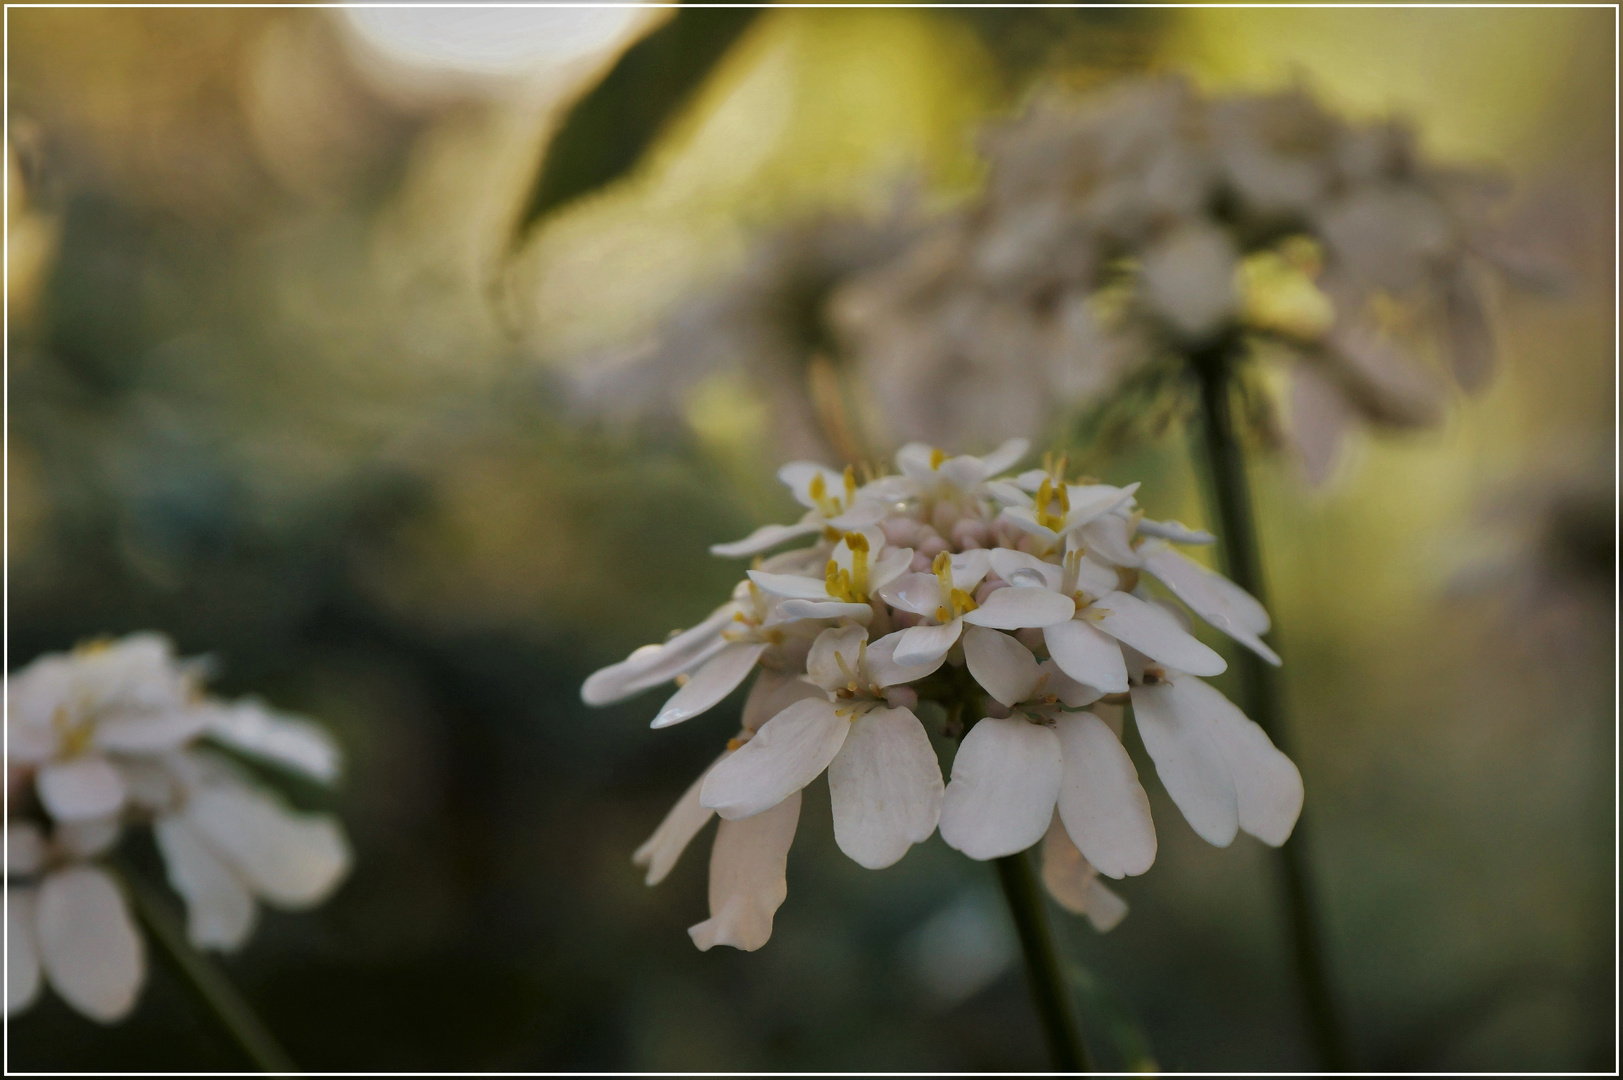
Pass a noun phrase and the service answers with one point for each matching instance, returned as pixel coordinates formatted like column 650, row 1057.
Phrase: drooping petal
column 651, row 665
column 1101, row 801
column 1320, row 415
column 747, row 877
column 1091, row 502
column 1005, row 781
column 288, row 859
column 661, row 850
column 298, row 744
column 80, row 788
column 885, row 784
column 883, row 670
column 1213, row 597
column 773, row 692
column 149, row 733
column 927, row 644
column 1075, row 885
column 1007, row 562
column 22, row 950
column 719, row 677
column 767, row 536
column 1087, row 654
column 219, row 909
column 1020, row 606
column 1266, row 782
column 1155, row 633
column 1176, row 531
column 1072, row 694
column 835, row 655
column 1004, row 667
column 783, row 757
column 917, row 593
column 88, row 945
column 1192, row 767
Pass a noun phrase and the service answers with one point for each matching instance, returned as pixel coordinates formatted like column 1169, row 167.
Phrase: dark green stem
column 1230, row 492
column 208, row 981
column 1048, row 990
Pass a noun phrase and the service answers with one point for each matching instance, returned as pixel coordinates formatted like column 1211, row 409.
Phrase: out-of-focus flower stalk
column 1229, row 492
column 1048, row 990
column 211, row 985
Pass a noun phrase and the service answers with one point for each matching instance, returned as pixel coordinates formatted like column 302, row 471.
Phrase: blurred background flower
column 301, row 347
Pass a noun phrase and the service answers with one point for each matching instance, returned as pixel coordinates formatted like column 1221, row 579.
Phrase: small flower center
column 958, row 601
column 1050, row 496
column 833, row 505
column 851, row 586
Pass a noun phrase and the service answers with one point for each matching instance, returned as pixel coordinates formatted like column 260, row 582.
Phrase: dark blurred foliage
column 240, row 415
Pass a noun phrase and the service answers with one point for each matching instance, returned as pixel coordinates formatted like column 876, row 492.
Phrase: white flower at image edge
column 72, row 929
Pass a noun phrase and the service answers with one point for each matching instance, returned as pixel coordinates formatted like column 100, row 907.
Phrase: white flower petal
column 1004, row 457
column 1005, row 781
column 883, row 670
column 719, row 677
column 885, row 784
column 747, row 877
column 835, row 656
column 783, row 757
column 917, row 593
column 920, row 646
column 1089, row 502
column 1075, row 885
column 773, row 692
column 1213, row 597
column 1004, row 667
column 1176, row 531
column 1032, row 479
column 661, row 850
column 888, row 567
column 1155, row 633
column 798, row 477
column 290, row 741
column 1020, row 606
column 149, row 733
column 1101, row 801
column 1007, row 562
column 1320, row 415
column 1088, row 655
column 651, row 665
column 80, row 788
column 1007, row 494
column 767, row 536
column 88, row 838
column 1072, row 694
column 88, row 944
column 1105, row 910
column 1025, row 519
column 791, row 586
column 822, row 609
column 1266, row 782
column 22, row 950
column 219, row 909
column 860, row 516
column 1109, row 537
column 914, row 459
column 969, row 567
column 1192, row 767
column 287, row 859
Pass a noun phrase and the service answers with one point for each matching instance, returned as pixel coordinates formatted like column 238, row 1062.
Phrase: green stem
column 1231, row 493
column 210, row 983
column 1048, row 990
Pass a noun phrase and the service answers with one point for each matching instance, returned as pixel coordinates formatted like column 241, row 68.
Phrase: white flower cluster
column 1150, row 220
column 1022, row 603
column 119, row 734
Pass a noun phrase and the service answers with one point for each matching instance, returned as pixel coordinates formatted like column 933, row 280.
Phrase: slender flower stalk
column 210, row 984
column 1230, row 494
column 1043, row 973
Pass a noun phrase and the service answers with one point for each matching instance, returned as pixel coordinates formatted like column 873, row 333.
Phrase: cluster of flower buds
column 1022, row 606
column 119, row 734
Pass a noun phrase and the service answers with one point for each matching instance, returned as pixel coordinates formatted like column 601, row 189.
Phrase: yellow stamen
column 960, row 601
column 850, row 484
column 1048, row 496
column 937, row 456
column 683, row 680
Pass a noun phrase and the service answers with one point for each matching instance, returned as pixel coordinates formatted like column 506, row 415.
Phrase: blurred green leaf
column 613, row 125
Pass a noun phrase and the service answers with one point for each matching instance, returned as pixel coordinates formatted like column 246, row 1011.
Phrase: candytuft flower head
column 1022, row 605
column 119, row 735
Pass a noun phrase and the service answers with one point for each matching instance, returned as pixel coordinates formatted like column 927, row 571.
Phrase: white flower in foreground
column 69, row 927
column 970, row 592
column 112, row 735
column 833, row 504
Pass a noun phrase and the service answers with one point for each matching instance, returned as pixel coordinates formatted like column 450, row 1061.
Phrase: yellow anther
column 734, row 743
column 850, row 484
column 1048, row 496
column 942, row 615
column 963, row 602
column 831, row 534
column 683, row 680
column 937, row 456
column 819, row 489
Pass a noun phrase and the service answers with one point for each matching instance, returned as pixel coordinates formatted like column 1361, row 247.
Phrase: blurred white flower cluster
column 1021, row 605
column 119, row 734
column 1149, row 221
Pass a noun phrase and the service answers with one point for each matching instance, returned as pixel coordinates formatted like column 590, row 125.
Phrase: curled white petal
column 783, row 757
column 1176, row 730
column 661, row 850
column 1004, row 667
column 719, row 677
column 220, row 910
column 747, row 877
column 1155, row 633
column 1088, row 655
